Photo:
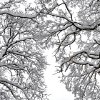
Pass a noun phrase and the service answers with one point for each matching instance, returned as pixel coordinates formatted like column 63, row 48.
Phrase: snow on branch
column 19, row 14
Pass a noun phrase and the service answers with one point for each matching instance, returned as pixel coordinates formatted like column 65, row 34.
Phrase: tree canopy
column 72, row 26
column 22, row 63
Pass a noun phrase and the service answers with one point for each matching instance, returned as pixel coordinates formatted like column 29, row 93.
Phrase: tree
column 22, row 63
column 71, row 24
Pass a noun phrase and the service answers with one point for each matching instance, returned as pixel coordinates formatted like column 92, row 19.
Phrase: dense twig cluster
column 21, row 59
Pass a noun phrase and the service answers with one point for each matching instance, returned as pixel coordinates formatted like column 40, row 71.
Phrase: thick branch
column 14, row 84
column 19, row 14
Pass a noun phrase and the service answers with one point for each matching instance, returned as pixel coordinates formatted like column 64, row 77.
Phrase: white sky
column 56, row 89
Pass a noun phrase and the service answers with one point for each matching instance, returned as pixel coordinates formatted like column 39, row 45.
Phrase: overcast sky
column 54, row 87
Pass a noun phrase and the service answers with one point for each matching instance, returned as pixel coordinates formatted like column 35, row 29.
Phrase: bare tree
column 21, row 60
column 74, row 27
column 71, row 25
